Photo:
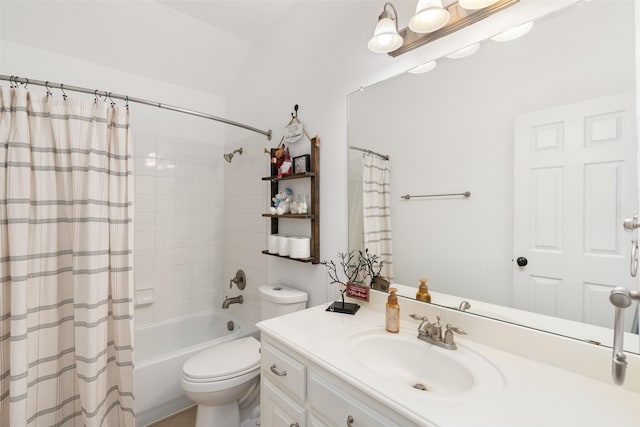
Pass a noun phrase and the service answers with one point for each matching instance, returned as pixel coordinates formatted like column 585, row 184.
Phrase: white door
column 575, row 180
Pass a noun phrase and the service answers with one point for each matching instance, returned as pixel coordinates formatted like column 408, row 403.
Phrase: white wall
column 179, row 179
column 301, row 64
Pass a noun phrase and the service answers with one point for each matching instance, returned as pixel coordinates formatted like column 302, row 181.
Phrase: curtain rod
column 25, row 81
column 364, row 150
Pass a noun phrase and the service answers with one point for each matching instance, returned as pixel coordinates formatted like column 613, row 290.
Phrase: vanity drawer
column 278, row 409
column 340, row 408
column 284, row 371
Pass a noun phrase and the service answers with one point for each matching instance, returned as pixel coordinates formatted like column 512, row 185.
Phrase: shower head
column 229, row 156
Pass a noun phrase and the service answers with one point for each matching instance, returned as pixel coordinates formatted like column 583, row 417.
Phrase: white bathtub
column 162, row 348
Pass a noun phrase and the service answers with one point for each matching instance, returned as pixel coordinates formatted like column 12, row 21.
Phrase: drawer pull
column 294, row 425
column 349, row 421
column 277, row 372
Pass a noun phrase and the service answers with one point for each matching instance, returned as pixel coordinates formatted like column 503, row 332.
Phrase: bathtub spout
column 228, row 301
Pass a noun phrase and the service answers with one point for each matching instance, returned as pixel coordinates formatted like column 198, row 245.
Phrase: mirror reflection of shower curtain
column 66, row 257
column 376, row 208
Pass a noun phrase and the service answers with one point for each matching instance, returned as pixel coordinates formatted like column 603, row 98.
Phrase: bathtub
column 162, row 348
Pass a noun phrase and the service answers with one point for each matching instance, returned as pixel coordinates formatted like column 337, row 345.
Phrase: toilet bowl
column 226, row 377
column 221, row 380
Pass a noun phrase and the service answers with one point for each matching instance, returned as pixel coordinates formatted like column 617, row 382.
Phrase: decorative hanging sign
column 293, row 132
column 358, row 291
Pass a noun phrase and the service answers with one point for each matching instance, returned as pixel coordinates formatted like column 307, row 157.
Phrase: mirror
column 541, row 131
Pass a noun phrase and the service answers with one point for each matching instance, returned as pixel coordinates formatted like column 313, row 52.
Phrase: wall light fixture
column 430, row 22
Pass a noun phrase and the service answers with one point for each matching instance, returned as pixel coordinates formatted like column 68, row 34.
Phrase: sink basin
column 405, row 361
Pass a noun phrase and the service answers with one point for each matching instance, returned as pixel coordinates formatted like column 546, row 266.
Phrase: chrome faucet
column 432, row 332
column 234, row 300
column 464, row 306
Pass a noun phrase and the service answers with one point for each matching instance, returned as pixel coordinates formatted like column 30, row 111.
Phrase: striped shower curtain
column 66, row 307
column 376, row 210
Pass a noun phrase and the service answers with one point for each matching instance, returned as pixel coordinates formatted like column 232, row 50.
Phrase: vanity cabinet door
column 340, row 408
column 284, row 371
column 278, row 409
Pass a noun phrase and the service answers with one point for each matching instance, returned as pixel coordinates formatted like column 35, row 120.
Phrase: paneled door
column 575, row 180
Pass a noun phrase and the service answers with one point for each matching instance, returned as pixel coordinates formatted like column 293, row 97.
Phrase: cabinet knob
column 522, row 261
column 277, row 372
column 349, row 421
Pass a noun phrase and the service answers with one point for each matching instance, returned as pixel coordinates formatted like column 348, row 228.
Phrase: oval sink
column 405, row 360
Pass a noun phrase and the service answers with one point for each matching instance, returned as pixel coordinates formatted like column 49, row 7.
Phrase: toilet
column 225, row 378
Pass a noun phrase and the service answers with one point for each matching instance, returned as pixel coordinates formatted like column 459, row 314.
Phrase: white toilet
column 225, row 378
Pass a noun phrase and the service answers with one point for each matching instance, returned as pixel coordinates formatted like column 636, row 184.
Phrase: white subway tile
column 165, row 203
column 182, row 273
column 144, row 278
column 166, row 168
column 182, row 255
column 182, row 307
column 167, row 148
column 164, row 221
column 145, row 165
column 163, row 311
column 145, row 184
column 164, row 239
column 144, row 258
column 145, row 145
column 164, row 293
column 183, row 238
column 144, row 240
column 164, row 257
column 144, row 203
column 165, row 185
column 145, row 222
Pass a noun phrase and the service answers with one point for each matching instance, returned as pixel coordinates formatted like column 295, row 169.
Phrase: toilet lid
column 226, row 360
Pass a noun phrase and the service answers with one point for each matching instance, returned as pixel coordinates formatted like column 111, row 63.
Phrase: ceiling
column 197, row 44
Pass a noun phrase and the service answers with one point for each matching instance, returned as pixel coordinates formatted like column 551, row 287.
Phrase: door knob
column 522, row 261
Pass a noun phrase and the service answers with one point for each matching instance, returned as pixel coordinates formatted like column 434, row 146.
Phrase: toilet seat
column 233, row 359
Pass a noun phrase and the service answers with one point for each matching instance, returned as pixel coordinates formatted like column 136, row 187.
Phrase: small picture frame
column 301, row 164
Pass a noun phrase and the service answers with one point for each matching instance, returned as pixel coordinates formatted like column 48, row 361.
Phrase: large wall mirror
column 541, row 131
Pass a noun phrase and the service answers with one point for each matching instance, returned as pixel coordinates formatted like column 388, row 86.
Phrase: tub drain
column 419, row 386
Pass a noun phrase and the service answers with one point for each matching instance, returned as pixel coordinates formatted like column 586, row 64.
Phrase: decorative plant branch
column 372, row 264
column 352, row 267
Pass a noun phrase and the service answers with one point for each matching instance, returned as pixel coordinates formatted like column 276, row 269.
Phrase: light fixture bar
column 460, row 18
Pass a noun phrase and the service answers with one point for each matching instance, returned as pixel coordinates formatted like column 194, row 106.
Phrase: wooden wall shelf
column 314, row 214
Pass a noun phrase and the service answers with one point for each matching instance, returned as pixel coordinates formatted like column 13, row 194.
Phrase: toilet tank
column 276, row 300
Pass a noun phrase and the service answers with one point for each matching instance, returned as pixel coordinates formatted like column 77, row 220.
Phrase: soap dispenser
column 423, row 291
column 393, row 312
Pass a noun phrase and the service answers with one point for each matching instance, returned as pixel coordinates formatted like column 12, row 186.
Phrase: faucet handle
column 418, row 317
column 448, row 335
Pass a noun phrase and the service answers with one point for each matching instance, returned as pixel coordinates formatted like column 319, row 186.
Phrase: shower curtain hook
column 64, row 95
column 112, row 102
column 26, row 83
column 46, row 85
column 11, row 82
column 95, row 96
column 126, row 101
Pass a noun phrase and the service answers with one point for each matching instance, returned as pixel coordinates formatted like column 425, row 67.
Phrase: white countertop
column 534, row 394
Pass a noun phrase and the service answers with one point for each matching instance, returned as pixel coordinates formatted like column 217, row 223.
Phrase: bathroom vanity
column 329, row 369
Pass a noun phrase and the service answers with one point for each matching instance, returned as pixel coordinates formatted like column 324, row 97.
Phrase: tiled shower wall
column 178, row 224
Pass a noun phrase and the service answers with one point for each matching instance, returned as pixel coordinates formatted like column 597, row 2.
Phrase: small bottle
column 393, row 312
column 423, row 291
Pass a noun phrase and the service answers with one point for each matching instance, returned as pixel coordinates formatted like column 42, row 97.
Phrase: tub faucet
column 234, row 300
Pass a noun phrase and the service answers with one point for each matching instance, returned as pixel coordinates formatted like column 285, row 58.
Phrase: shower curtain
column 66, row 307
column 376, row 210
